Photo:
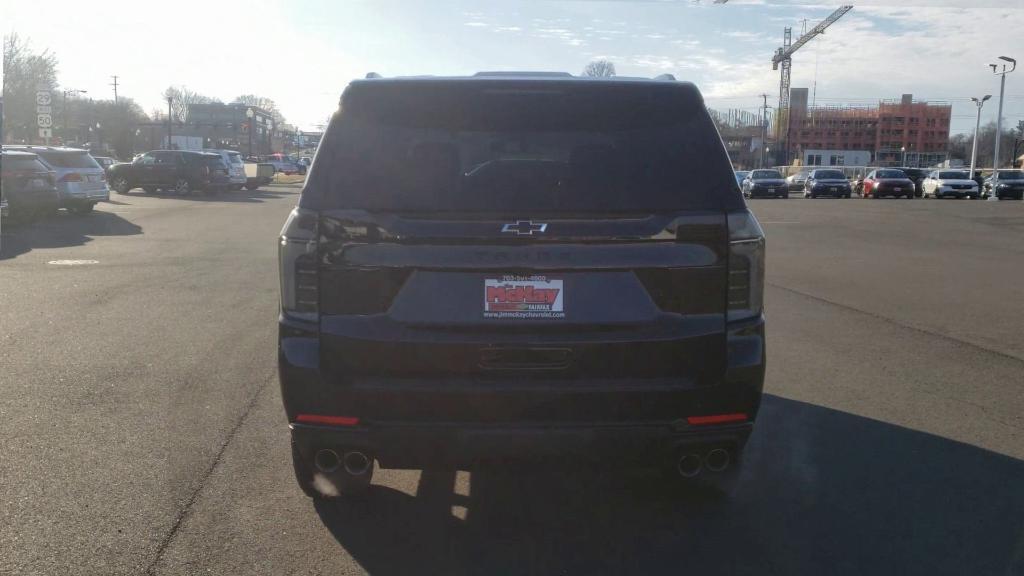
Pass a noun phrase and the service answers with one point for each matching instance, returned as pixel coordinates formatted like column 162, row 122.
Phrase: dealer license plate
column 511, row 297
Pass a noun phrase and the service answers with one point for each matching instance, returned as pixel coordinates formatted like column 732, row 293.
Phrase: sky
column 302, row 53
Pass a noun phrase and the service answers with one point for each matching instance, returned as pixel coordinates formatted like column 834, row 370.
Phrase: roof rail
column 667, row 77
column 514, row 74
column 373, row 75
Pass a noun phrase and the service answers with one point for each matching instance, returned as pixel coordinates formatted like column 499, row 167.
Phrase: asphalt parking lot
column 142, row 431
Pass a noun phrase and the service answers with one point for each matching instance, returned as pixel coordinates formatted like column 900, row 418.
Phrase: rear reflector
column 329, row 420
column 716, row 419
column 71, row 177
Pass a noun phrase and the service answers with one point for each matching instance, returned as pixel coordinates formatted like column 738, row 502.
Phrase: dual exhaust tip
column 690, row 464
column 353, row 462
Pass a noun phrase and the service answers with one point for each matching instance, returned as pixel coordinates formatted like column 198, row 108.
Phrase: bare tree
column 263, row 103
column 23, row 72
column 599, row 69
column 181, row 97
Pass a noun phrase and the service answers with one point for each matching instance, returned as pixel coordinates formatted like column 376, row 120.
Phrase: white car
column 945, row 183
column 236, row 169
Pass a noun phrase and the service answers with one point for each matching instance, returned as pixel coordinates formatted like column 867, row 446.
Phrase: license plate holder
column 512, row 297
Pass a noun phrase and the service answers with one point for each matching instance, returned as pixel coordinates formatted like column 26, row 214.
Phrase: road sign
column 45, row 133
column 43, row 98
column 44, row 120
column 44, row 109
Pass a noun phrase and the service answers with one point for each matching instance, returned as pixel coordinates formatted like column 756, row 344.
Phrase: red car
column 888, row 182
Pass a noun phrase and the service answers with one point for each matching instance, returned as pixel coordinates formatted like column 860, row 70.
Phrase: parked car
column 420, row 324
column 917, row 176
column 81, row 181
column 888, row 182
column 797, row 181
column 947, row 183
column 285, row 165
column 306, row 161
column 765, row 184
column 741, row 175
column 827, row 182
column 180, row 171
column 29, row 186
column 233, row 161
column 1007, row 184
column 105, row 162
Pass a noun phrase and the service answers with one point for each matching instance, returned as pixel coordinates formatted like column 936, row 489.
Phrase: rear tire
column 251, row 186
column 121, row 185
column 150, row 189
column 83, row 208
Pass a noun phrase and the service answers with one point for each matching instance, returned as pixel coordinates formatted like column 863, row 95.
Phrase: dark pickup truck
column 177, row 171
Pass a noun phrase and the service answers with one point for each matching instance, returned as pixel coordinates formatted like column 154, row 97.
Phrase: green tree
column 104, row 125
column 24, row 72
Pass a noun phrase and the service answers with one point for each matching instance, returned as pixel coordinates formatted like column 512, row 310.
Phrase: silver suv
column 236, row 169
column 82, row 182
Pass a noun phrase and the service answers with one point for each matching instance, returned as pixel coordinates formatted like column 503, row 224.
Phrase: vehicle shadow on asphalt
column 63, row 229
column 822, row 492
column 258, row 195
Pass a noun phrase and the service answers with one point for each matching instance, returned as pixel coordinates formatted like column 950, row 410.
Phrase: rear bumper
column 457, row 444
column 413, row 443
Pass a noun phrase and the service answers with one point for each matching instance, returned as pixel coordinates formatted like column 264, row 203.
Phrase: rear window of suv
column 12, row 163
column 509, row 147
column 69, row 159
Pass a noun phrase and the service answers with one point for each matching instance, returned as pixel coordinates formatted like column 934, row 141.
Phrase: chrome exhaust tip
column 717, row 460
column 356, row 463
column 689, row 465
column 326, row 460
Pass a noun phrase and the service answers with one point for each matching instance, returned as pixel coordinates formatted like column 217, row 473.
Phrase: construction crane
column 784, row 57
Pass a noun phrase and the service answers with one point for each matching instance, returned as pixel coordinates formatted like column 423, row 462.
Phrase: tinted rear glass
column 22, row 164
column 765, row 174
column 1011, row 176
column 502, row 147
column 235, row 158
column 829, row 175
column 890, row 174
column 69, row 159
column 954, row 175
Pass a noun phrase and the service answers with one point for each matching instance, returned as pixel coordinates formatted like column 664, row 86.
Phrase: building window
column 814, row 159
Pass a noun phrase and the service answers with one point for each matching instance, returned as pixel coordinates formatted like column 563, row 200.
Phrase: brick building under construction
column 894, row 133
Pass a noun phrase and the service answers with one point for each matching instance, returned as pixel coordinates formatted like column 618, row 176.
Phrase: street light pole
column 65, row 110
column 994, row 196
column 977, row 126
column 169, row 147
column 249, row 113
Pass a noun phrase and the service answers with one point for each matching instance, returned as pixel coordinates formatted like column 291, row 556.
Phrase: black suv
column 917, row 176
column 519, row 266
column 28, row 186
column 177, row 171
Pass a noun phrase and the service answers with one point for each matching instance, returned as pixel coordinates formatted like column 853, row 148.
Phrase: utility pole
column 169, row 123
column 999, row 121
column 114, row 84
column 764, row 129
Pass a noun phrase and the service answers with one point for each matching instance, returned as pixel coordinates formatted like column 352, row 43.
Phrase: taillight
column 298, row 262
column 71, row 177
column 746, row 266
